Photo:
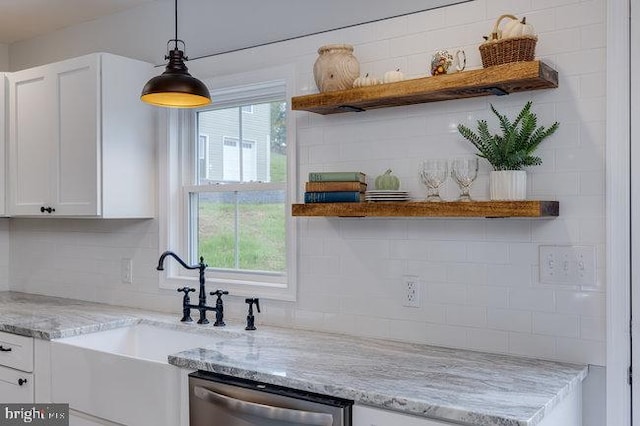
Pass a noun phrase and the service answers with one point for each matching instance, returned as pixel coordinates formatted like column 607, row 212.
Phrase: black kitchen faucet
column 202, row 296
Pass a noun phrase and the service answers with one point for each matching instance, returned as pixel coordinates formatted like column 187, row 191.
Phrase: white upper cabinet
column 80, row 141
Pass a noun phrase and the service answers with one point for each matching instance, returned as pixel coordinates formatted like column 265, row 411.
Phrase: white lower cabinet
column 567, row 413
column 15, row 386
column 16, row 369
column 369, row 416
column 76, row 418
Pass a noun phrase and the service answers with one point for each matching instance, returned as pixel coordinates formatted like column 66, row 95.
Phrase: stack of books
column 335, row 187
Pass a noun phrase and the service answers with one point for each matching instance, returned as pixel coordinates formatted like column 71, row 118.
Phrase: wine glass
column 464, row 171
column 433, row 174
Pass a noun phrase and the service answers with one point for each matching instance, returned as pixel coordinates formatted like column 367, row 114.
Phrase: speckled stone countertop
column 452, row 385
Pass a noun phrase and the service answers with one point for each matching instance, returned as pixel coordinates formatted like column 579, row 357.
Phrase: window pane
column 243, row 144
column 242, row 230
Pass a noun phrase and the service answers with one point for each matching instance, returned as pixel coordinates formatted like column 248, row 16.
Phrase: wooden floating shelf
column 497, row 80
column 528, row 208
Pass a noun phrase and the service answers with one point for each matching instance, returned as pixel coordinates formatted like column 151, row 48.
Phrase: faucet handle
column 218, row 293
column 186, row 290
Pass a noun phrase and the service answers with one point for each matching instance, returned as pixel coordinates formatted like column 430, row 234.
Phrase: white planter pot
column 508, row 185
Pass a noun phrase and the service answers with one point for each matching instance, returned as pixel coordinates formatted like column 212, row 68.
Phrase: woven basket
column 499, row 51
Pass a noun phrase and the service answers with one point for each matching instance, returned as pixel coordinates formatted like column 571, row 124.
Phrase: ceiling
column 24, row 19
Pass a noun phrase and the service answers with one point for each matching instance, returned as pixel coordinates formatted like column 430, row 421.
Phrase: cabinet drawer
column 16, row 351
column 15, row 386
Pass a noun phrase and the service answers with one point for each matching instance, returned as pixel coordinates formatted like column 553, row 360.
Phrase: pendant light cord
column 176, row 22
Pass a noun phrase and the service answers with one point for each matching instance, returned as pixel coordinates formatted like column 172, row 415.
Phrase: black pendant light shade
column 175, row 87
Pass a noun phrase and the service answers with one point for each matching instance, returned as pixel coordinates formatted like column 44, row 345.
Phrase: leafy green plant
column 514, row 148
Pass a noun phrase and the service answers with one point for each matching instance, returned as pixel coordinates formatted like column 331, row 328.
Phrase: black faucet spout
column 164, row 255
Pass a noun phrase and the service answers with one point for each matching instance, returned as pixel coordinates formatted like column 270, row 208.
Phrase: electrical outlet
column 411, row 291
column 126, row 270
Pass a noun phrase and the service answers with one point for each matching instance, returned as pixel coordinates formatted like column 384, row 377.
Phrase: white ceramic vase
column 336, row 68
column 508, row 184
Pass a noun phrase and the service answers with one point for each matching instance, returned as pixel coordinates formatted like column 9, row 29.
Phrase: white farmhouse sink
column 141, row 341
column 122, row 375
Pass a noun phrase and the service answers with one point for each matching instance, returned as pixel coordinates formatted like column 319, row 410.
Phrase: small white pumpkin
column 365, row 80
column 393, row 76
column 515, row 28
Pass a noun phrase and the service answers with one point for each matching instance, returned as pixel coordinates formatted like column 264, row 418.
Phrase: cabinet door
column 15, row 386
column 369, row 416
column 31, row 129
column 77, row 142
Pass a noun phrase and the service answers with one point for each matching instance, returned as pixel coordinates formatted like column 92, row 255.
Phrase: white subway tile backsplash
column 551, row 324
column 593, row 328
column 446, row 251
column 492, row 252
column 488, row 340
column 593, row 36
column 481, row 289
column 532, row 345
column 469, row 316
column 445, row 292
column 509, row 320
column 532, row 299
column 581, row 351
column 554, row 42
column 591, row 304
column 488, row 296
column 473, row 273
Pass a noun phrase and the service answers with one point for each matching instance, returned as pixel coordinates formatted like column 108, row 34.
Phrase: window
column 236, row 226
column 228, row 192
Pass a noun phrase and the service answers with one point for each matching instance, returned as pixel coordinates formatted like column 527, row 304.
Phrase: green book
column 337, row 177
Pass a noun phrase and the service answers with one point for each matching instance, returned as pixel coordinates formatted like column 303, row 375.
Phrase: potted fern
column 510, row 151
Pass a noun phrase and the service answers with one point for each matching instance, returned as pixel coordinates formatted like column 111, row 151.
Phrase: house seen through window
column 237, row 206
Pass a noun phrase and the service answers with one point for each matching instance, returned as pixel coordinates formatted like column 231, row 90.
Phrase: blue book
column 333, row 197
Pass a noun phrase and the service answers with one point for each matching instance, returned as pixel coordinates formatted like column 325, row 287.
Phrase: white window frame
column 175, row 172
column 205, row 153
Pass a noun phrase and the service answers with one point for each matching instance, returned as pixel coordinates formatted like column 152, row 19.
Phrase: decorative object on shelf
column 433, row 174
column 393, row 76
column 365, row 80
column 387, row 195
column 335, row 187
column 464, row 171
column 516, row 42
column 175, row 87
column 387, row 181
column 510, row 151
column 443, row 60
column 336, row 68
column 337, row 177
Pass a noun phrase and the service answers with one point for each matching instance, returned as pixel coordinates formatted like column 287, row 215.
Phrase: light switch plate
column 569, row 265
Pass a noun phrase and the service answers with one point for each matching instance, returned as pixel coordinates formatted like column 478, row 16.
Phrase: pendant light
column 175, row 87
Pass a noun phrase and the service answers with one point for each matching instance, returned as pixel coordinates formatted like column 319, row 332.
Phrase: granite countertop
column 448, row 384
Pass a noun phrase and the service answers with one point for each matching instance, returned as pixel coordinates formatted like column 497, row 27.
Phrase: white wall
column 481, row 282
column 4, row 57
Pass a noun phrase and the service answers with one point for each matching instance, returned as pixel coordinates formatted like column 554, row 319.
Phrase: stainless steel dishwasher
column 218, row 400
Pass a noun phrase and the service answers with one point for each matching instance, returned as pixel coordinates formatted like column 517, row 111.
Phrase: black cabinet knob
column 22, row 382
